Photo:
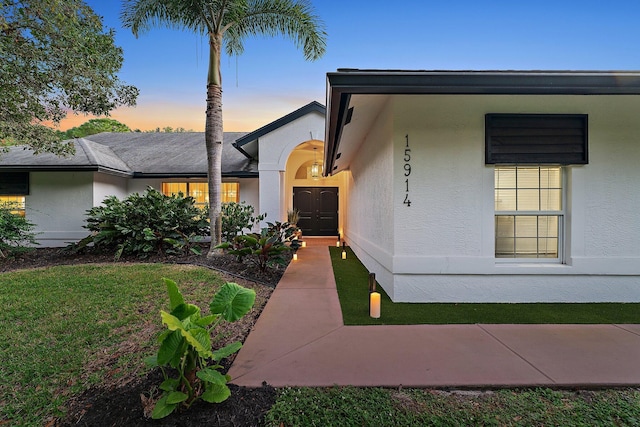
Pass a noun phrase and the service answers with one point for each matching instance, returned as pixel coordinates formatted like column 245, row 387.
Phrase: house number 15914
column 407, row 171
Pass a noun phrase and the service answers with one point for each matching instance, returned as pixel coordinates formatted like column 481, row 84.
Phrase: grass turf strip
column 352, row 283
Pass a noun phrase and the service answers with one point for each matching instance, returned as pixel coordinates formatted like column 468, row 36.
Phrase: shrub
column 266, row 249
column 142, row 224
column 16, row 233
column 186, row 347
column 237, row 217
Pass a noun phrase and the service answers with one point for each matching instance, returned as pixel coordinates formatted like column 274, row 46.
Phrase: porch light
column 315, row 167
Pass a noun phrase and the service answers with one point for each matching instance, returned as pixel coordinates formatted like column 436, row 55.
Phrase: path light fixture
column 374, row 297
column 338, row 242
column 315, row 167
column 304, row 244
column 344, row 251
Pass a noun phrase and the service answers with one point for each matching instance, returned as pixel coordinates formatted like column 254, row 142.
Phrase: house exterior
column 490, row 186
column 260, row 168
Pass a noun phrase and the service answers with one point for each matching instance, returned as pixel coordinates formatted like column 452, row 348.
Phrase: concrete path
column 299, row 340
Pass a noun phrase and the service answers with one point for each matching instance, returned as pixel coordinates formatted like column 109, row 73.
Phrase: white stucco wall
column 274, row 149
column 443, row 245
column 108, row 185
column 369, row 229
column 57, row 204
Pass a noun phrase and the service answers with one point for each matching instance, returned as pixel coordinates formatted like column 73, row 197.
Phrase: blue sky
column 272, row 78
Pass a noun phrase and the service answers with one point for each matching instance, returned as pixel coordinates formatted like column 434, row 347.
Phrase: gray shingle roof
column 154, row 154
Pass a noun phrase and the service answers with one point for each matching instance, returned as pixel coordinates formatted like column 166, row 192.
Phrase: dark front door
column 318, row 208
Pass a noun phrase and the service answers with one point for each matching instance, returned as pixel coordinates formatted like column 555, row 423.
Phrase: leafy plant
column 16, row 232
column 293, row 216
column 186, row 347
column 265, row 249
column 142, row 224
column 237, row 217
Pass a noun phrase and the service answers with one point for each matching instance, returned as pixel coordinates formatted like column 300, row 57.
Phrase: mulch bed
column 122, row 405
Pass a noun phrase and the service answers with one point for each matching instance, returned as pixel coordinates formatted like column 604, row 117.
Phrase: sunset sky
column 272, row 78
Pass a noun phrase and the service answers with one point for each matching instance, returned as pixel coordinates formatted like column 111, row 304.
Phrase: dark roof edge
column 347, row 82
column 485, row 82
column 233, row 174
column 300, row 112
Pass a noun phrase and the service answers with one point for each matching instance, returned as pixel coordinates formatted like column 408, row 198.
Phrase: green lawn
column 352, row 278
column 350, row 406
column 60, row 326
column 56, row 321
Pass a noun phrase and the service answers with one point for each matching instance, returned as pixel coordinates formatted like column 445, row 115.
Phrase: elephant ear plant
column 186, row 347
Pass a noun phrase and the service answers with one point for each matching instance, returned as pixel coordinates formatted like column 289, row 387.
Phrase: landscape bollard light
column 374, row 297
column 344, row 251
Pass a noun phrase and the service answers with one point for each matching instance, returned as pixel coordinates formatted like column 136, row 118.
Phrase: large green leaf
column 232, row 301
column 170, row 348
column 226, row 351
column 207, row 320
column 184, row 311
column 216, row 393
column 211, row 376
column 175, row 297
column 172, row 322
column 200, row 340
column 163, row 408
column 176, row 397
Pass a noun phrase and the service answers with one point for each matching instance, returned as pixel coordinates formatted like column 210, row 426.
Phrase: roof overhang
column 345, row 83
column 248, row 144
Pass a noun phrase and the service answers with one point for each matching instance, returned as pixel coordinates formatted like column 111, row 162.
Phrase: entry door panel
column 318, row 208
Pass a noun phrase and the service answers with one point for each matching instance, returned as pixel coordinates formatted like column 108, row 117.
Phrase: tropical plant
column 186, row 347
column 265, row 249
column 142, row 224
column 56, row 58
column 293, row 216
column 16, row 232
column 227, row 23
column 237, row 217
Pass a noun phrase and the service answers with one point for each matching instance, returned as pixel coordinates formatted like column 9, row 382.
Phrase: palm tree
column 227, row 23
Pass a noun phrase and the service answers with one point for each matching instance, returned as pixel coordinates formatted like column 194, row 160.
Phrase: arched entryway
column 318, row 199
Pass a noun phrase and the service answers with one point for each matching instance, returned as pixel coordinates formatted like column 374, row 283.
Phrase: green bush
column 237, row 217
column 266, row 249
column 144, row 224
column 16, row 233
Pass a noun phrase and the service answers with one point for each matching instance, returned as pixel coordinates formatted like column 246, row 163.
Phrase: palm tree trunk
column 214, row 139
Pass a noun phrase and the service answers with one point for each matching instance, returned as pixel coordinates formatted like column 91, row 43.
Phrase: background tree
column 95, row 126
column 226, row 23
column 55, row 57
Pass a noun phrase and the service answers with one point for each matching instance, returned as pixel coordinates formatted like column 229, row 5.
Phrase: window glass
column 230, row 191
column 529, row 215
column 15, row 203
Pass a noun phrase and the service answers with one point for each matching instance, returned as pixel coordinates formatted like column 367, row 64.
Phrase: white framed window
column 529, row 213
column 229, row 191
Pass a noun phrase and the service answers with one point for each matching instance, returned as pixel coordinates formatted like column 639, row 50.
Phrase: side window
column 529, row 212
column 15, row 203
column 230, row 192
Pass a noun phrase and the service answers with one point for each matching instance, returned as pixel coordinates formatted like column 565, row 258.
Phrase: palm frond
column 293, row 19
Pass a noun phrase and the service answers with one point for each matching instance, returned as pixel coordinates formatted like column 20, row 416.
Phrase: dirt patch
column 121, row 401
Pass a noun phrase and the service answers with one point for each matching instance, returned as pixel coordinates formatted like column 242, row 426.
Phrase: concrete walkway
column 299, row 340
